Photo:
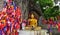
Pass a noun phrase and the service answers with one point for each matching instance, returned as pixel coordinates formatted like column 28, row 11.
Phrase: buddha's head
column 32, row 15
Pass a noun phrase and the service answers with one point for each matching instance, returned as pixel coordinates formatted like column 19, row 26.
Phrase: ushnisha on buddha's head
column 32, row 15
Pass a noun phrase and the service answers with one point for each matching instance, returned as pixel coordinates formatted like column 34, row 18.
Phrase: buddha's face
column 32, row 16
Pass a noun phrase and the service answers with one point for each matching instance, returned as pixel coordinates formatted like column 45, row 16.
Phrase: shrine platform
column 33, row 32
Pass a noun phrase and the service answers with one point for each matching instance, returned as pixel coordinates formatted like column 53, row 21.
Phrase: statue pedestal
column 28, row 32
column 29, row 28
column 33, row 32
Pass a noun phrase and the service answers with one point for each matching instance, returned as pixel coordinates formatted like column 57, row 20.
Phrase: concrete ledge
column 29, row 32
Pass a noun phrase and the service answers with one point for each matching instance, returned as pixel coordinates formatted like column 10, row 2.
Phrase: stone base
column 36, row 28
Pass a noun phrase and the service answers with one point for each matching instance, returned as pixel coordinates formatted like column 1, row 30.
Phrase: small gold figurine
column 32, row 21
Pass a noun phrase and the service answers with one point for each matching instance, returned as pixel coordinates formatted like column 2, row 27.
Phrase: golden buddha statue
column 32, row 21
column 32, row 24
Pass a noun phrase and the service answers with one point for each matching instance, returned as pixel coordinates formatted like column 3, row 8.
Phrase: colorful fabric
column 9, row 17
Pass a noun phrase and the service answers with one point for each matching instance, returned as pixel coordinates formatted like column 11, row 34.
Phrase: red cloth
column 18, row 12
column 8, row 1
column 16, row 33
column 44, row 21
column 1, row 26
column 9, row 11
column 17, row 26
column 58, row 27
column 8, row 28
column 50, row 21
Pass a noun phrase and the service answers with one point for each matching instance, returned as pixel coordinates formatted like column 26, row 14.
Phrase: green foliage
column 46, row 3
column 51, row 12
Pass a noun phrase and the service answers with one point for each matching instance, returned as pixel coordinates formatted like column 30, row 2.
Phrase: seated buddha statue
column 32, row 21
column 32, row 24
